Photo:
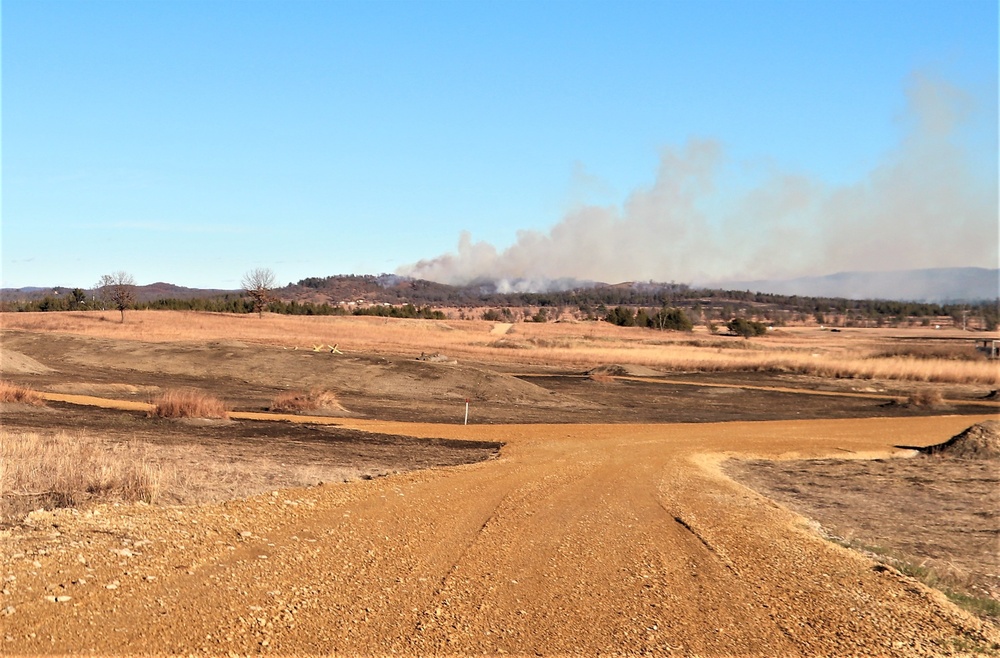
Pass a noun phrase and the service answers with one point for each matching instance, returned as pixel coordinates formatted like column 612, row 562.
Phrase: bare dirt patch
column 15, row 363
column 114, row 391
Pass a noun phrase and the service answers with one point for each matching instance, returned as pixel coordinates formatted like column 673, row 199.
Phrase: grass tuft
column 188, row 404
column 298, row 402
column 19, row 394
column 925, row 398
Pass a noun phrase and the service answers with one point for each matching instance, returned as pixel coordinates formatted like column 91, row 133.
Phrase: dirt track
column 577, row 539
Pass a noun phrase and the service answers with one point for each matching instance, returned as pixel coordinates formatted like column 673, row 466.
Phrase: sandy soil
column 578, row 539
column 622, row 536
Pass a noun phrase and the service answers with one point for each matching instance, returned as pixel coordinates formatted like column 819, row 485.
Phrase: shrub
column 746, row 328
column 673, row 319
column 21, row 394
column 499, row 315
column 621, row 316
column 188, row 404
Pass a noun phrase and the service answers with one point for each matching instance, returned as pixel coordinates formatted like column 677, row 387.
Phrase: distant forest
column 393, row 296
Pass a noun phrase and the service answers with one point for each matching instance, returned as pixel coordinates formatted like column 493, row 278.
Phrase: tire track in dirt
column 577, row 539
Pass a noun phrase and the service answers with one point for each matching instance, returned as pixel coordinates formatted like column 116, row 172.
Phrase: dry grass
column 19, row 394
column 954, row 352
column 61, row 470
column 188, row 404
column 199, row 474
column 901, row 512
column 298, row 402
column 925, row 398
column 914, row 354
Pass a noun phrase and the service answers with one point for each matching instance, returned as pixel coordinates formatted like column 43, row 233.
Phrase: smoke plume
column 924, row 206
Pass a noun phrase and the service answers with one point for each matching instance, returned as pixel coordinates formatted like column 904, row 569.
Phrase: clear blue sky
column 189, row 142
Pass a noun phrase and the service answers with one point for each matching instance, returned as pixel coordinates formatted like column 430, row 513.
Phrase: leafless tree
column 117, row 289
column 258, row 283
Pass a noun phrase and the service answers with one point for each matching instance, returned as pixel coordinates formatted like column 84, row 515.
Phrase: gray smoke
column 924, row 206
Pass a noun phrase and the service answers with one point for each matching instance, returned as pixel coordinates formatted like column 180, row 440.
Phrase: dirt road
column 577, row 539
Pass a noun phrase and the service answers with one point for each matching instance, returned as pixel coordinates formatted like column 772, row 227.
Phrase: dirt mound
column 15, row 363
column 618, row 370
column 981, row 441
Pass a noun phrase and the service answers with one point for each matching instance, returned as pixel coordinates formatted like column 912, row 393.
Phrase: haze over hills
column 941, row 285
column 937, row 285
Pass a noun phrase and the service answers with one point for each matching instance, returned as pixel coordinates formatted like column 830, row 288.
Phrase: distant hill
column 870, row 290
column 382, row 288
column 941, row 285
column 146, row 293
column 161, row 290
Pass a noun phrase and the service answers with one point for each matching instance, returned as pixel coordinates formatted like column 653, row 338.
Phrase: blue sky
column 190, row 142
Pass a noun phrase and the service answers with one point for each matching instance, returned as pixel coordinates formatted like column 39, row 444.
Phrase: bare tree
column 117, row 289
column 258, row 283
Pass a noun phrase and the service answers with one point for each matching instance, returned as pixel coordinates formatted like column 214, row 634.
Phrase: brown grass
column 925, row 398
column 893, row 510
column 71, row 470
column 954, row 352
column 185, row 403
column 19, row 394
column 913, row 354
column 62, row 470
column 200, row 474
column 298, row 402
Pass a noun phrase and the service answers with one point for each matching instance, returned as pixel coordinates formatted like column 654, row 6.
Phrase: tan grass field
column 890, row 354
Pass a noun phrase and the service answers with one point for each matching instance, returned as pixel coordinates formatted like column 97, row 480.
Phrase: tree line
column 647, row 303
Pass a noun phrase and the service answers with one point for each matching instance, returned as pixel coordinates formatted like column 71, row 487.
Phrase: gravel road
column 580, row 539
